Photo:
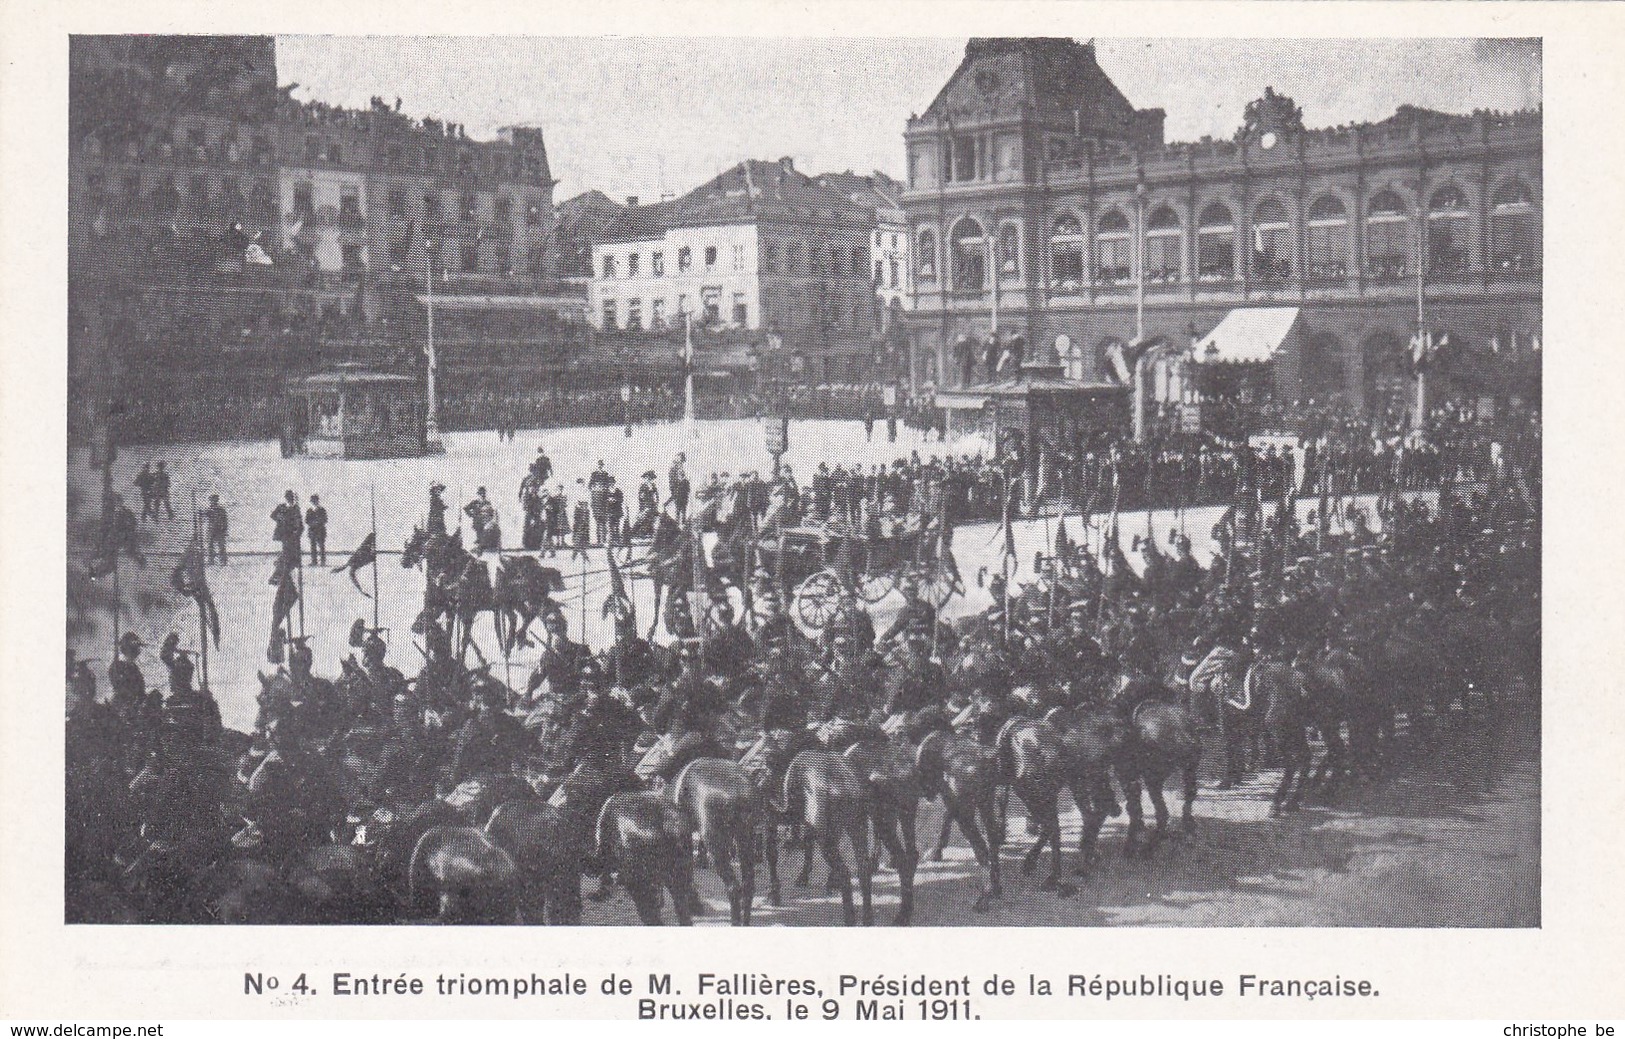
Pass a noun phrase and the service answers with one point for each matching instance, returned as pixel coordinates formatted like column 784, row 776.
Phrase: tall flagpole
column 1423, row 345
column 431, row 432
column 695, row 535
column 202, row 617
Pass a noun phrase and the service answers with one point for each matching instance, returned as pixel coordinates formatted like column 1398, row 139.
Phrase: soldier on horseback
column 381, row 681
column 601, row 729
column 183, row 698
column 489, row 742
column 917, row 684
column 437, row 510
column 134, row 704
column 685, row 716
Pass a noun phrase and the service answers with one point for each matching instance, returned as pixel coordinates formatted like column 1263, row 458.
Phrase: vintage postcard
column 1035, row 480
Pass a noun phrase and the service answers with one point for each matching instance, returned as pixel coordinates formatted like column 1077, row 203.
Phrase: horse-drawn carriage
column 814, row 565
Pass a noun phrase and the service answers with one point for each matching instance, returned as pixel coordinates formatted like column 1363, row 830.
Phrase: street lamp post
column 626, row 390
column 431, row 430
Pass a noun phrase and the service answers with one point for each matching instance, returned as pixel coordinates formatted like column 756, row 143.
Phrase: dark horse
column 457, row 585
column 671, row 556
column 524, row 591
column 728, row 810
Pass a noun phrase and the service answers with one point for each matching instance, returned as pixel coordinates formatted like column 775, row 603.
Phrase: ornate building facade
column 1043, row 205
column 184, row 150
column 762, row 253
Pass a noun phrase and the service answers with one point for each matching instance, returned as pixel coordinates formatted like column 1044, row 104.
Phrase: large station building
column 1044, row 205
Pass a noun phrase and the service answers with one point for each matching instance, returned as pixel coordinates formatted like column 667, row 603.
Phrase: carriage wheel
column 938, row 584
column 872, row 588
column 817, row 600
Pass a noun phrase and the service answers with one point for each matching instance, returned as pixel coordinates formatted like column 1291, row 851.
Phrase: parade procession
column 1057, row 586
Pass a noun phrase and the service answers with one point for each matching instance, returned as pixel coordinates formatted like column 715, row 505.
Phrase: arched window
column 1066, row 245
column 1387, row 237
column 1164, row 247
column 1216, row 244
column 926, row 260
column 1113, row 252
column 1009, row 251
column 1272, row 242
column 1514, row 229
column 1330, row 245
column 1449, row 231
column 969, row 254
column 609, row 266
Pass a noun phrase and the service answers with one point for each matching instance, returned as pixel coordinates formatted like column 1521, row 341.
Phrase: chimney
column 631, row 202
column 787, row 164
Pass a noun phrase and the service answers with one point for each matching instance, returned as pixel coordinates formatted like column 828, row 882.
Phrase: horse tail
column 784, row 803
column 679, row 788
column 600, row 836
column 415, row 867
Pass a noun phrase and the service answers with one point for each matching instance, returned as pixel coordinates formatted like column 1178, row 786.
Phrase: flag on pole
column 287, row 596
column 188, row 578
column 619, row 599
column 366, row 554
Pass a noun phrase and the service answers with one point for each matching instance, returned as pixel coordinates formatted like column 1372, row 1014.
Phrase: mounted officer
column 131, row 700
column 686, row 717
column 490, row 741
column 558, row 669
column 917, row 683
column 601, row 729
column 196, row 706
column 776, row 629
column 915, row 612
column 383, row 682
column 437, row 510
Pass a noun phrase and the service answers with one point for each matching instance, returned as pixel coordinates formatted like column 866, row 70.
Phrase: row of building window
column 833, row 314
column 167, row 196
column 467, row 208
column 193, row 144
column 710, row 312
column 789, row 261
column 166, row 192
column 1329, row 243
column 657, row 262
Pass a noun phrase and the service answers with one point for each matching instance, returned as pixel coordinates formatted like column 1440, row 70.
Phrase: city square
column 509, row 560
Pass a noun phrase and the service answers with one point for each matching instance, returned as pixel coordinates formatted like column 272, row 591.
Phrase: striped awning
column 1251, row 335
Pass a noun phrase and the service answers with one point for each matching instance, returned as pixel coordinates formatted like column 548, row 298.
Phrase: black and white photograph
column 977, row 481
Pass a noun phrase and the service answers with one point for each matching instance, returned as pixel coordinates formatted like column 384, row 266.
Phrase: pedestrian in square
column 216, row 524
column 160, row 492
column 316, row 530
column 143, row 483
column 288, row 531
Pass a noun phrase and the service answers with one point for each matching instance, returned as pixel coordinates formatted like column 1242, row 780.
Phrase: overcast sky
column 638, row 116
